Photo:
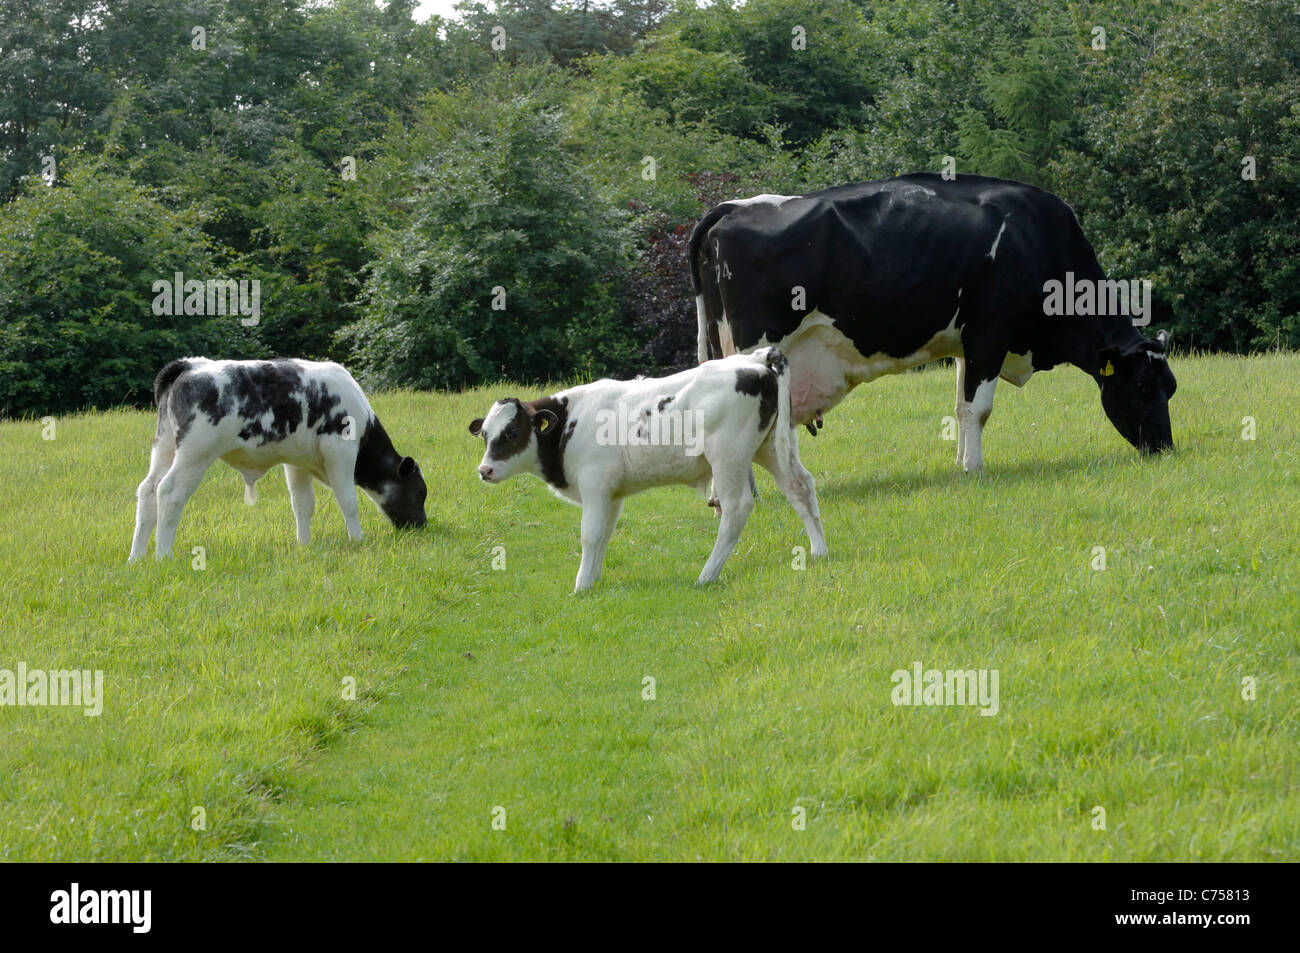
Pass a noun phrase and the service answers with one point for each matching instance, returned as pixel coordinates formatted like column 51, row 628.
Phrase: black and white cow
column 869, row 279
column 310, row 416
column 600, row 442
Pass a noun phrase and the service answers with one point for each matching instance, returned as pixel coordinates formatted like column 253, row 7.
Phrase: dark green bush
column 77, row 266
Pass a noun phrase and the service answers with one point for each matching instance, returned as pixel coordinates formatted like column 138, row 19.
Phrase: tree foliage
column 77, row 266
column 501, row 261
column 381, row 176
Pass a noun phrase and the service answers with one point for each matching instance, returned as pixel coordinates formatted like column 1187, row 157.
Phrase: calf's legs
column 599, row 516
column 146, row 495
column 302, row 496
column 799, row 488
column 339, row 472
column 732, row 489
column 174, row 490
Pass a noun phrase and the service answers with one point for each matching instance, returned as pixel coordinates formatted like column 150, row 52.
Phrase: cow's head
column 508, row 430
column 403, row 496
column 1136, row 384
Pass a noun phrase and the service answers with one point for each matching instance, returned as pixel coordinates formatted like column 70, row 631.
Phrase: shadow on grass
column 897, row 484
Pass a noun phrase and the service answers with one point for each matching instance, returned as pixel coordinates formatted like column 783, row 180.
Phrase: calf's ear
column 406, row 467
column 476, row 426
column 544, row 420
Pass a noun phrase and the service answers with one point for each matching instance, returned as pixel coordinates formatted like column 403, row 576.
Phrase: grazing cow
column 310, row 416
column 598, row 443
column 869, row 279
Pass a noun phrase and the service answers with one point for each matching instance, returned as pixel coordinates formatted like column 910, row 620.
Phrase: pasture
column 486, row 694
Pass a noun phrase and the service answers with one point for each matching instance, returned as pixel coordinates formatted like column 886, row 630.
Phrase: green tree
column 497, row 212
column 803, row 65
column 1165, row 182
column 77, row 266
column 1031, row 94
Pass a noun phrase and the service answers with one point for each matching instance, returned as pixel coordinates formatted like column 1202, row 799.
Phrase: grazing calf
column 598, row 443
column 310, row 416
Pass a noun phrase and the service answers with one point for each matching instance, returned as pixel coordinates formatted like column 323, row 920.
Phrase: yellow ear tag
column 545, row 425
column 1108, row 370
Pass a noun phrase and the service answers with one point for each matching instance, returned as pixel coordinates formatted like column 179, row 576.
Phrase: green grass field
column 487, row 695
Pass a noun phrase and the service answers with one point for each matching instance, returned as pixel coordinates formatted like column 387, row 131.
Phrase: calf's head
column 403, row 499
column 1136, row 384
column 509, row 430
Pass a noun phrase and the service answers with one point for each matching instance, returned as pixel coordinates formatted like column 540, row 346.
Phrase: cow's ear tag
column 1108, row 370
column 544, row 425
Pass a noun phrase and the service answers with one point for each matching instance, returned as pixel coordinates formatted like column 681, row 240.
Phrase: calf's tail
column 162, row 386
column 778, row 365
column 166, row 377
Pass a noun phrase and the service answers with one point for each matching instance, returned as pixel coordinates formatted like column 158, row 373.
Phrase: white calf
column 600, row 442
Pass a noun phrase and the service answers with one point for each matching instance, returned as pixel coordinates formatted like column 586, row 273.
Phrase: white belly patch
column 1017, row 368
column 825, row 365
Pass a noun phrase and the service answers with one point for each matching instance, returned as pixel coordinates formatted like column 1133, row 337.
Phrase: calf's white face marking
column 508, row 433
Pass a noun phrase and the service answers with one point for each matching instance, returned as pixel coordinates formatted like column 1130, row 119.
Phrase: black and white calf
column 600, row 442
column 310, row 416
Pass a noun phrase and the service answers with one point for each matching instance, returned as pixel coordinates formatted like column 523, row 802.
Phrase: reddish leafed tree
column 658, row 304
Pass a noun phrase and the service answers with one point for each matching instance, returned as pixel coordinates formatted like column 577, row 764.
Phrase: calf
column 310, row 416
column 598, row 443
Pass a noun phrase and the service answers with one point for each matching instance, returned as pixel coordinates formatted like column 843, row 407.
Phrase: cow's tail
column 702, row 348
column 694, row 251
column 783, row 438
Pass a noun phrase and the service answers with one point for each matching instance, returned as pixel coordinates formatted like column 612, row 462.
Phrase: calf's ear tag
column 544, row 425
column 1108, row 370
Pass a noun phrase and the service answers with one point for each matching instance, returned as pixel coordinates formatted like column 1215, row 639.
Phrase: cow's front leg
column 975, row 385
column 599, row 517
column 302, row 496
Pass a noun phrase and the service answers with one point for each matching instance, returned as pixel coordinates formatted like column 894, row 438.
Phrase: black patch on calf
column 194, row 394
column 665, row 401
column 760, row 384
column 377, row 459
column 551, row 443
column 274, row 386
column 321, row 405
